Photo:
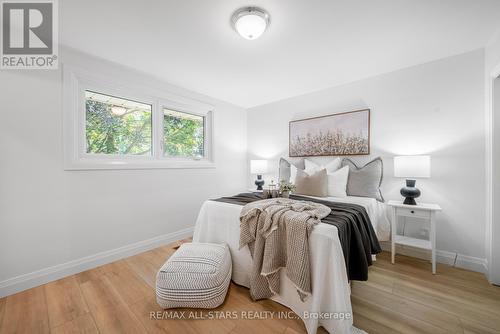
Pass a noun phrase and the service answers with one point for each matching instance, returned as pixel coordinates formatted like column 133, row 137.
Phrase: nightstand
column 423, row 213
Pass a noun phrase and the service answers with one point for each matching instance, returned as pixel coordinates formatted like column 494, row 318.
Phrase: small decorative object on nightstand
column 273, row 190
column 415, row 166
column 286, row 188
column 258, row 167
column 424, row 212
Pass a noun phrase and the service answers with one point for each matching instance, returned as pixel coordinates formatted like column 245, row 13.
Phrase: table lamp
column 412, row 167
column 258, row 167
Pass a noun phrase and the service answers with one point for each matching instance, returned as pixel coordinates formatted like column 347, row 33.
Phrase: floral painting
column 338, row 134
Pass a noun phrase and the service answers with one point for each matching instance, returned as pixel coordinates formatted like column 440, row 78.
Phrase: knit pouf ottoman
column 197, row 275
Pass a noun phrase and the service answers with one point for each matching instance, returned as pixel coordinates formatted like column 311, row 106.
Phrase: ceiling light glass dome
column 250, row 22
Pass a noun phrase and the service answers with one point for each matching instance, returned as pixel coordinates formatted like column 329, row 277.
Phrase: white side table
column 424, row 213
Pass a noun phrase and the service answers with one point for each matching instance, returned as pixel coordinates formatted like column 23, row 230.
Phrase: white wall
column 49, row 216
column 435, row 108
column 492, row 53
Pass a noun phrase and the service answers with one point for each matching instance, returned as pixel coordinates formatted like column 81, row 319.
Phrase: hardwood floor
column 119, row 298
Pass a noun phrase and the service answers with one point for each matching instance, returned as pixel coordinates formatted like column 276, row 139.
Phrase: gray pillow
column 284, row 172
column 312, row 185
column 365, row 181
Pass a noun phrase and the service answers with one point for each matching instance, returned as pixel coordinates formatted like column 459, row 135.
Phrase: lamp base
column 409, row 201
column 259, row 182
column 410, row 192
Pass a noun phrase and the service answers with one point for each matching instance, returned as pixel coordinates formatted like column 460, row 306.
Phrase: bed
column 329, row 305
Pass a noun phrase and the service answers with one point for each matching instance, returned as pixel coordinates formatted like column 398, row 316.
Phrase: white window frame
column 76, row 81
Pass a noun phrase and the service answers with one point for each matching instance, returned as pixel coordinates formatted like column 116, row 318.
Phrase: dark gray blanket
column 356, row 234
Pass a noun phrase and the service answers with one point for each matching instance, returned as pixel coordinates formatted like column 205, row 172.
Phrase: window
column 106, row 127
column 117, row 126
column 184, row 134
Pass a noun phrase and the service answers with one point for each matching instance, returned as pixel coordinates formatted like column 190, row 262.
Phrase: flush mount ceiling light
column 250, row 22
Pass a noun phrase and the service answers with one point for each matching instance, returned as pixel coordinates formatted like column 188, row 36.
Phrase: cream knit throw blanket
column 276, row 232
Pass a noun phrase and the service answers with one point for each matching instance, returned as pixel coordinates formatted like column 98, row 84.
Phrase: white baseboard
column 42, row 276
column 445, row 257
column 472, row 263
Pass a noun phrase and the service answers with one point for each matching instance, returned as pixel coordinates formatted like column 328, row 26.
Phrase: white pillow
column 337, row 182
column 293, row 173
column 330, row 167
column 337, row 177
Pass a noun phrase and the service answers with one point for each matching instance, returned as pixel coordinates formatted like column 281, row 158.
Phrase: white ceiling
column 310, row 45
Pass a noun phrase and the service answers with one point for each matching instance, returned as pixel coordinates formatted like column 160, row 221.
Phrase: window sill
column 95, row 164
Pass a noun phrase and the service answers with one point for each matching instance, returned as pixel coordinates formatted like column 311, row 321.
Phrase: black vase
column 410, row 192
column 259, row 182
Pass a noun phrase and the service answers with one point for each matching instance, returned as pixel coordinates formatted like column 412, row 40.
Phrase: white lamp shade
column 412, row 166
column 258, row 166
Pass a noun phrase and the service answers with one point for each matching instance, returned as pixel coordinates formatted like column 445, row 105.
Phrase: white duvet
column 329, row 304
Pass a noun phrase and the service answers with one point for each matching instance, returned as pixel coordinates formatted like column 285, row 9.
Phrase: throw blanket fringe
column 276, row 232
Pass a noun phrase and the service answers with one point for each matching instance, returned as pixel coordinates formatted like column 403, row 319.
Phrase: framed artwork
column 338, row 134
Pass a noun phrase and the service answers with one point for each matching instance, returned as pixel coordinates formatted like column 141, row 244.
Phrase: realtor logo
column 29, row 35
